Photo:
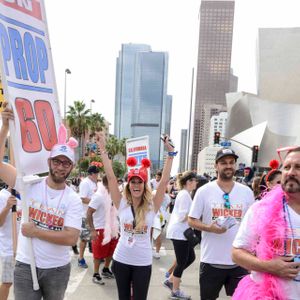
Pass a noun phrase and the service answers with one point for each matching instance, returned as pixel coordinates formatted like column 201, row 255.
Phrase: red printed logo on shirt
column 219, row 210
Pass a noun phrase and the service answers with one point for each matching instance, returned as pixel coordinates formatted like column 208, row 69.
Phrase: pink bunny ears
column 62, row 137
column 64, row 148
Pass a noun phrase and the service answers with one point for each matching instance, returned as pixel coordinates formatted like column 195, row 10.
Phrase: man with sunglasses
column 217, row 209
column 268, row 241
column 55, row 221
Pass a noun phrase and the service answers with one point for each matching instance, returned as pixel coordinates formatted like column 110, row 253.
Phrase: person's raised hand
column 7, row 114
column 168, row 144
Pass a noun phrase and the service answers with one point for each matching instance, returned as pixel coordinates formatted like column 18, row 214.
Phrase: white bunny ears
column 63, row 147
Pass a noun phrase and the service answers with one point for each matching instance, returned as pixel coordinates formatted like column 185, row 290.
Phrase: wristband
column 172, row 153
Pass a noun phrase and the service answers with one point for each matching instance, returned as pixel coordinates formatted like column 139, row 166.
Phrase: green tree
column 78, row 120
column 96, row 123
column 112, row 146
column 119, row 169
column 122, row 147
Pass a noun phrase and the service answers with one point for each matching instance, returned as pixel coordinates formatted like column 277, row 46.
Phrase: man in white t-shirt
column 217, row 210
column 155, row 181
column 87, row 187
column 103, row 223
column 7, row 201
column 55, row 218
column 268, row 241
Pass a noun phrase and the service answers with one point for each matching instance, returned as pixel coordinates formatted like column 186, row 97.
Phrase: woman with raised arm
column 132, row 259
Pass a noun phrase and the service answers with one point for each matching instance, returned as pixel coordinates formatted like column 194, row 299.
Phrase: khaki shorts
column 8, row 265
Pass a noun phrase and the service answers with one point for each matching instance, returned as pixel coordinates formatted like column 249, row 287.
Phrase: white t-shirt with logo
column 98, row 203
column 176, row 225
column 50, row 210
column 208, row 204
column 245, row 237
column 6, row 242
column 139, row 252
column 87, row 188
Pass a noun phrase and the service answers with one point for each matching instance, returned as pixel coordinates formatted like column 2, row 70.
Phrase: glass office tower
column 144, row 108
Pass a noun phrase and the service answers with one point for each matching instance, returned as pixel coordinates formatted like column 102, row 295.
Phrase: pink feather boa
column 269, row 222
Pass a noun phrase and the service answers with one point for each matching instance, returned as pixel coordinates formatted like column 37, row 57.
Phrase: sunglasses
column 226, row 203
column 285, row 149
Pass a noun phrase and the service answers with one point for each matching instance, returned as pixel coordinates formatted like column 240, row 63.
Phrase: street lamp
column 67, row 71
column 91, row 102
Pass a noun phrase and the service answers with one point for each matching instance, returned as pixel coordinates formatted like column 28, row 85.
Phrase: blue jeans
column 53, row 282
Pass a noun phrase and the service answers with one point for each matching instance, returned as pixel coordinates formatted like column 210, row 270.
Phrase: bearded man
column 217, row 210
column 55, row 221
column 268, row 241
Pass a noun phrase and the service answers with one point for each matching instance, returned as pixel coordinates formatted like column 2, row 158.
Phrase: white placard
column 29, row 83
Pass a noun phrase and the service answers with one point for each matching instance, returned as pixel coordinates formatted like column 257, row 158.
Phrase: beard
column 58, row 179
column 291, row 185
column 225, row 175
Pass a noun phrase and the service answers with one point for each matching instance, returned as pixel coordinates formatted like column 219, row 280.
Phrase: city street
column 81, row 285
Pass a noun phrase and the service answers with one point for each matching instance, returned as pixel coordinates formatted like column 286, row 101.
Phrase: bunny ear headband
column 63, row 147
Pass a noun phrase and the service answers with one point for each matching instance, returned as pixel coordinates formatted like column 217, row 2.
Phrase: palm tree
column 122, row 147
column 96, row 123
column 112, row 146
column 78, row 122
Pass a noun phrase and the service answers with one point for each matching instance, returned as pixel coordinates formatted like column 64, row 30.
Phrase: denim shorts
column 85, row 233
column 53, row 282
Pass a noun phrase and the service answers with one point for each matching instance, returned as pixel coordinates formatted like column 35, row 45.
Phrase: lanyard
column 288, row 222
column 133, row 213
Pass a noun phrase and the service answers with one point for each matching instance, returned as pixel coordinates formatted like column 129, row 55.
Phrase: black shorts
column 212, row 280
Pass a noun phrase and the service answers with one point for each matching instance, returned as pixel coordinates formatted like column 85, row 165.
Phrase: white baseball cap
column 64, row 150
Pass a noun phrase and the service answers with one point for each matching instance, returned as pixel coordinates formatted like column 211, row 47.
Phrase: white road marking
column 74, row 282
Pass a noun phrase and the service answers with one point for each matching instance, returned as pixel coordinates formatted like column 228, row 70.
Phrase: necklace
column 288, row 222
column 49, row 221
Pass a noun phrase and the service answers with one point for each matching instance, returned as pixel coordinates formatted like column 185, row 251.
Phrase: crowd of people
column 248, row 227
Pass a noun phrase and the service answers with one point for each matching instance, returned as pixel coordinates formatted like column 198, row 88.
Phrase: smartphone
column 163, row 138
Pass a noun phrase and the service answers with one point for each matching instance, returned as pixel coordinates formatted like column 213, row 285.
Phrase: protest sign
column 28, row 83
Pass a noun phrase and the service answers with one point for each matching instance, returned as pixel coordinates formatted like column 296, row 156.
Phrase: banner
column 138, row 148
column 29, row 83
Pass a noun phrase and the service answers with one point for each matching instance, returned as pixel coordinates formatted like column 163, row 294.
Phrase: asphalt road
column 81, row 286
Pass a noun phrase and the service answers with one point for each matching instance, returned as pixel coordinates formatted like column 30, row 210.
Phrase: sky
column 86, row 37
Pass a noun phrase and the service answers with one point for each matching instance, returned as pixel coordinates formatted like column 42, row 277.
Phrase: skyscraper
column 214, row 76
column 183, row 148
column 145, row 108
column 125, row 87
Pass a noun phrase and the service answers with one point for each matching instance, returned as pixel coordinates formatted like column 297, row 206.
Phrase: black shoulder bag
column 193, row 236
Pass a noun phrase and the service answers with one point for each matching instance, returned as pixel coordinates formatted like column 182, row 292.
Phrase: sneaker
column 167, row 275
column 106, row 273
column 168, row 284
column 97, row 279
column 156, row 255
column 179, row 295
column 82, row 263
